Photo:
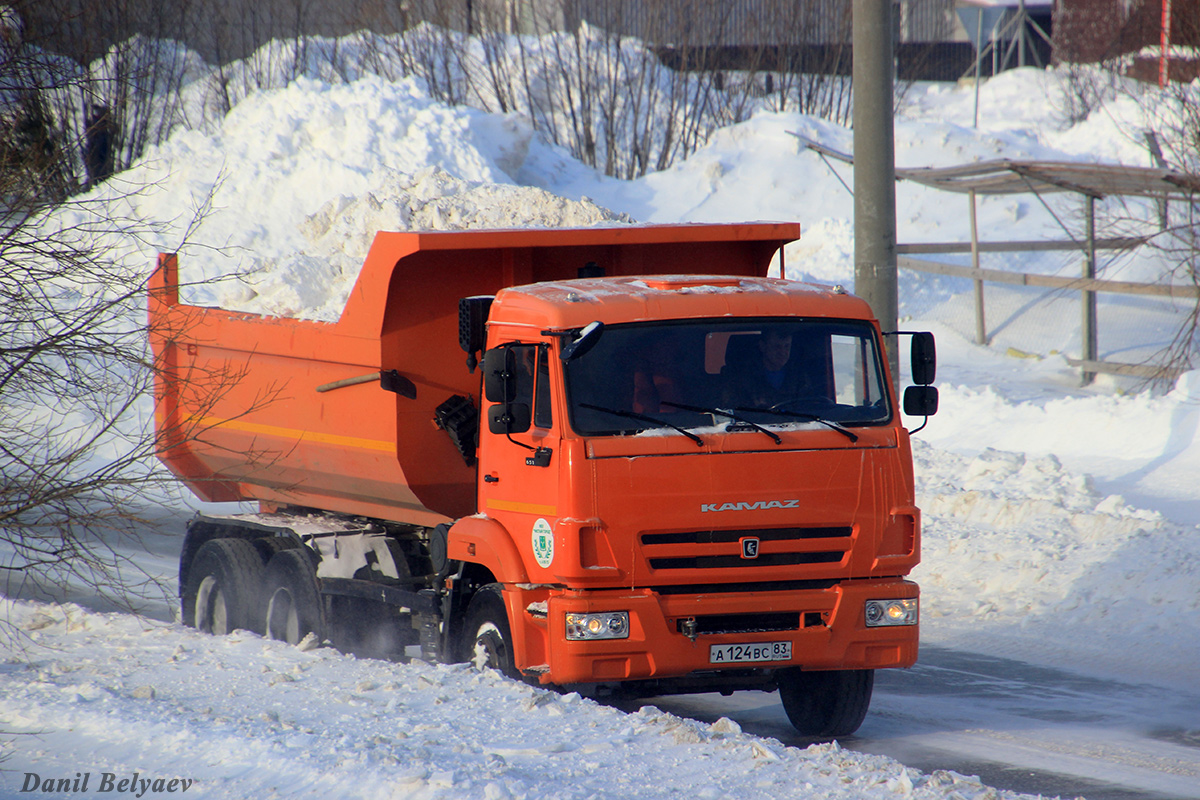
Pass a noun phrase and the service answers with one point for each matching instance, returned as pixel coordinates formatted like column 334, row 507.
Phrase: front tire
column 221, row 594
column 293, row 598
column 486, row 636
column 826, row 705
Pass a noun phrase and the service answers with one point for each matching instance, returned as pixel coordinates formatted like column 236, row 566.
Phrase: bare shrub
column 79, row 477
column 1177, row 125
column 1167, row 123
column 1082, row 89
column 75, row 452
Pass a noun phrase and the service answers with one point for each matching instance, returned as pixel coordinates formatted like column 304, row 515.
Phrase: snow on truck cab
column 655, row 471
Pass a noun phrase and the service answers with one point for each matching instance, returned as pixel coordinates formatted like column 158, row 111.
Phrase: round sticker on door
column 543, row 543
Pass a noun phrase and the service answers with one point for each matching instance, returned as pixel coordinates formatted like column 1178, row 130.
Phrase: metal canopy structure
column 1008, row 176
column 1004, row 176
column 1093, row 182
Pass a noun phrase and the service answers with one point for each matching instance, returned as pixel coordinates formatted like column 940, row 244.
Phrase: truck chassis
column 283, row 576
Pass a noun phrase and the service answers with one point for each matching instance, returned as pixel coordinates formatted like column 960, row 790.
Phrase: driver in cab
column 762, row 378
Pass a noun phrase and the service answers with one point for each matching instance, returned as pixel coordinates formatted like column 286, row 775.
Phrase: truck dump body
column 243, row 419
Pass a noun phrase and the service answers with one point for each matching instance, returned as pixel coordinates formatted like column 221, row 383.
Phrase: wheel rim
column 490, row 647
column 220, row 613
column 212, row 610
column 282, row 620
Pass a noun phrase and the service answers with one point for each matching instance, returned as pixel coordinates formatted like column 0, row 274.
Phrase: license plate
column 749, row 653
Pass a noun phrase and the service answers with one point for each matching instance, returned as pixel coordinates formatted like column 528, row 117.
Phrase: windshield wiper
column 644, row 418
column 723, row 412
column 851, row 435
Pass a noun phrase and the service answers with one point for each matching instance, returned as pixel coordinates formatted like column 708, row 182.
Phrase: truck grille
column 712, row 549
column 743, row 623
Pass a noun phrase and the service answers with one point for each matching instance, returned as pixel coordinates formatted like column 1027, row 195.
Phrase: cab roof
column 569, row 304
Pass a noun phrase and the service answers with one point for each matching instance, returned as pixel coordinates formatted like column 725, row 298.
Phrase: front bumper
column 825, row 626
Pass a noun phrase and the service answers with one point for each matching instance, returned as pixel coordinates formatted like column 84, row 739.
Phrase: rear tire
column 222, row 590
column 826, row 704
column 486, row 636
column 292, row 597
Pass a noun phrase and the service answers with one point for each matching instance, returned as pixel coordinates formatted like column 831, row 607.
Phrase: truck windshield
column 745, row 373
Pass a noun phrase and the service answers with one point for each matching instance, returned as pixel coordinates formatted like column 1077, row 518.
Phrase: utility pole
column 875, row 167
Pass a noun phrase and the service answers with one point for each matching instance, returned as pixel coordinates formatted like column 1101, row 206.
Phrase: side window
column 533, row 381
column 525, row 355
column 856, row 383
column 541, row 398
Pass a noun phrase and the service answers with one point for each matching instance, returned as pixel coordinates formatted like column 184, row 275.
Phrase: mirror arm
column 519, row 444
column 540, row 457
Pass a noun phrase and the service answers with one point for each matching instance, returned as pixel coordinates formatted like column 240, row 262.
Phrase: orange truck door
column 519, row 469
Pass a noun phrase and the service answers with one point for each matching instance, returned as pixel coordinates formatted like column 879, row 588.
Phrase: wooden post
column 1164, row 46
column 978, row 58
column 1160, row 162
column 1087, row 332
column 980, row 322
column 1020, row 33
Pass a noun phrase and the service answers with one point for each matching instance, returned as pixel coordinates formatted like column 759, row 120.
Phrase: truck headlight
column 891, row 612
column 606, row 625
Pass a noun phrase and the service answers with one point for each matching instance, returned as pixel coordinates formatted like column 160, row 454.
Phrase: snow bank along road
column 241, row 716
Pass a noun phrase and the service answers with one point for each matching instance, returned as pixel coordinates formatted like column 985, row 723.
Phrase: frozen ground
column 245, row 717
column 1060, row 522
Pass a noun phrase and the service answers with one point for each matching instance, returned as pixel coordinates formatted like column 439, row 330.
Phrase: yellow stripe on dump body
column 296, row 433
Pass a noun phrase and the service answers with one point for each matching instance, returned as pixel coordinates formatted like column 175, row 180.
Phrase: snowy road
column 1016, row 726
column 258, row 717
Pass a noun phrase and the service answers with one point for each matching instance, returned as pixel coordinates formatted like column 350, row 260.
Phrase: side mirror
column 510, row 418
column 585, row 341
column 499, row 366
column 924, row 360
column 921, row 401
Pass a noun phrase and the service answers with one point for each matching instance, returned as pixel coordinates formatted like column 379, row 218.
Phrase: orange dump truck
column 621, row 460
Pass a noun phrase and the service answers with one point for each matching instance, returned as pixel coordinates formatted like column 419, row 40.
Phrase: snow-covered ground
column 1060, row 523
column 246, row 717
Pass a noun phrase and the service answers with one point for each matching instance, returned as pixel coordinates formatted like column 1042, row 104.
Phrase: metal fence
column 742, row 23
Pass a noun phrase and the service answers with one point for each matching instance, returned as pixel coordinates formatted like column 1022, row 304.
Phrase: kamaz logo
column 759, row 505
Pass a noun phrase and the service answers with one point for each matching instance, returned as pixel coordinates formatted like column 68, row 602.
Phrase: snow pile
column 321, row 168
column 1024, row 558
column 313, row 283
column 273, row 211
column 246, row 717
column 339, row 234
column 335, row 170
column 437, row 201
column 1144, row 447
